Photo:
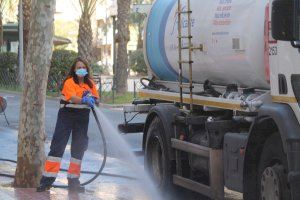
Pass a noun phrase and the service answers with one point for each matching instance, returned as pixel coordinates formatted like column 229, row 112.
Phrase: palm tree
column 32, row 114
column 122, row 39
column 138, row 20
column 85, row 34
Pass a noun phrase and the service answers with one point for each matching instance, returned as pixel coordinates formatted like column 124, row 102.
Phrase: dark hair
column 87, row 78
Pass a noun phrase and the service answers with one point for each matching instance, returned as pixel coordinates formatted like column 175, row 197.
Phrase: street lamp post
column 114, row 56
column 21, row 47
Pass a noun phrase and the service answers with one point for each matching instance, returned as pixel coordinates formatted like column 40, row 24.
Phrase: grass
column 10, row 88
column 19, row 90
column 52, row 94
column 107, row 97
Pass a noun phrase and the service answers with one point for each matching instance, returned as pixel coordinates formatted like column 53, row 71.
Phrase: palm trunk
column 1, row 31
column 31, row 136
column 140, row 40
column 122, row 39
column 85, row 38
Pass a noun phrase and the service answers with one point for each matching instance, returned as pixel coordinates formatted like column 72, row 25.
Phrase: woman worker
column 78, row 95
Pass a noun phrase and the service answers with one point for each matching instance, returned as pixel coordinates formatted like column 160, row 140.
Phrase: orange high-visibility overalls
column 72, row 118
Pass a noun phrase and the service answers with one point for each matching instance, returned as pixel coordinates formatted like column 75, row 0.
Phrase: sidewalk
column 104, row 188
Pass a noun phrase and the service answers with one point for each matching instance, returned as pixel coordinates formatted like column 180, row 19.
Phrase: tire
column 272, row 171
column 157, row 161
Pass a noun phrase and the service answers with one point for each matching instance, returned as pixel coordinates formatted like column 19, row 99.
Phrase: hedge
column 60, row 65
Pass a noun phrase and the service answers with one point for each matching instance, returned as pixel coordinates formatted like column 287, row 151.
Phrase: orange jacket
column 72, row 89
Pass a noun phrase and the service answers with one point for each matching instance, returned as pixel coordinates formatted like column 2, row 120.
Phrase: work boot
column 74, row 185
column 45, row 183
column 43, row 188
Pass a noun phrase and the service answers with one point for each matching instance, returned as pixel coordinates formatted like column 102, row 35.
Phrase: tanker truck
column 222, row 104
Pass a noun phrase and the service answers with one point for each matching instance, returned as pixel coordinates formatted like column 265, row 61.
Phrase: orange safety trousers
column 70, row 120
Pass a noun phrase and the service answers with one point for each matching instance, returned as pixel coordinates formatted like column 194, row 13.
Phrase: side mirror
column 283, row 20
column 295, row 44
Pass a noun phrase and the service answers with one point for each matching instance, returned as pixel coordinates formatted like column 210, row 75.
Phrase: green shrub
column 61, row 62
column 9, row 62
column 137, row 62
column 9, row 69
column 99, row 69
column 60, row 66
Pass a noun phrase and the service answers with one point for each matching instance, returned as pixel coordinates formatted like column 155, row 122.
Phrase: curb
column 10, row 92
column 20, row 93
column 103, row 105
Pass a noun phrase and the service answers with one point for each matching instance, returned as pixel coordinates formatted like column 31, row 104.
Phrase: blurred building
column 11, row 38
column 67, row 21
column 104, row 30
column 67, row 17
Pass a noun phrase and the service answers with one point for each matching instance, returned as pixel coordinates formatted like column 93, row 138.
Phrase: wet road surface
column 105, row 187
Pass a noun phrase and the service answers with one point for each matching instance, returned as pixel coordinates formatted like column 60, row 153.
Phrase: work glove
column 86, row 93
column 89, row 100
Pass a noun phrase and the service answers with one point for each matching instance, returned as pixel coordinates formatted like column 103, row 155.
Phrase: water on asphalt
column 125, row 154
column 105, row 187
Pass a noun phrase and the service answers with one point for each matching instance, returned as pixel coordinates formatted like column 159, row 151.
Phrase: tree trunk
column 1, row 31
column 140, row 32
column 26, row 5
column 122, row 39
column 31, row 136
column 85, row 38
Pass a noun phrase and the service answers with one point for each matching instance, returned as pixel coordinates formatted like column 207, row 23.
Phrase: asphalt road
column 114, row 116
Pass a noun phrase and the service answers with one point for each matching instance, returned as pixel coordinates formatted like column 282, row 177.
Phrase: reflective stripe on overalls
column 67, row 104
column 74, row 168
column 52, row 166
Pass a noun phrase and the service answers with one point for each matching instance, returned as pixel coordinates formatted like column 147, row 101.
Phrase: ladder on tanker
column 215, row 188
column 189, row 47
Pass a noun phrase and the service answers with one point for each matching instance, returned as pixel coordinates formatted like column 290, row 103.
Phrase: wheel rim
column 156, row 161
column 271, row 186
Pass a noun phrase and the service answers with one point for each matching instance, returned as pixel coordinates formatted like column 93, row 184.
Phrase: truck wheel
column 272, row 171
column 157, row 161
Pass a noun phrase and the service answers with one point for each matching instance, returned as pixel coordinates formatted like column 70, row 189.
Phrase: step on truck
column 223, row 102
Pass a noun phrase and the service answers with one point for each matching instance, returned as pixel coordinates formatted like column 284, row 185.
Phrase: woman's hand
column 76, row 100
column 89, row 100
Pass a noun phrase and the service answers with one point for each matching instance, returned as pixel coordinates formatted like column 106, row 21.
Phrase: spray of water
column 125, row 154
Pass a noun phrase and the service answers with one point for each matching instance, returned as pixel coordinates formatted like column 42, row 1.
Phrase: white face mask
column 81, row 72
